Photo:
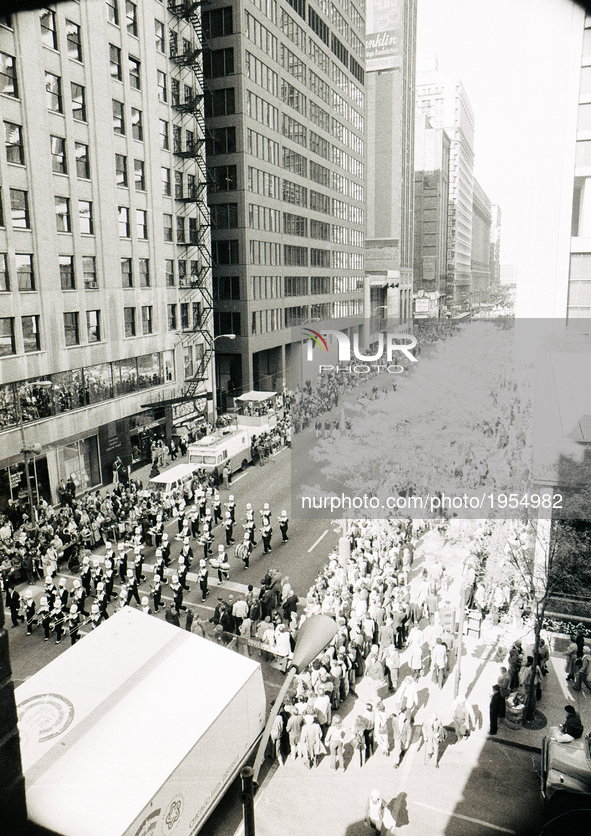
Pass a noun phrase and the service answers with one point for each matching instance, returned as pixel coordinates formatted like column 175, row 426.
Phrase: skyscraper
column 446, row 103
column 285, row 112
column 391, row 56
column 105, row 267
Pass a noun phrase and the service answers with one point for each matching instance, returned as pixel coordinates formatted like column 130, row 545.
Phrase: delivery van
column 137, row 729
column 172, row 479
column 216, row 450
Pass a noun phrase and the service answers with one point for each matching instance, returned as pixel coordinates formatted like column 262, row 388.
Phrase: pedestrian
column 311, row 745
column 433, row 734
column 275, row 738
column 462, row 717
column 294, row 730
column 377, row 814
column 583, row 676
column 172, row 616
column 402, row 730
column 495, row 709
column 222, row 565
column 381, row 728
column 439, row 662
column 503, row 683
column 335, row 740
column 13, row 601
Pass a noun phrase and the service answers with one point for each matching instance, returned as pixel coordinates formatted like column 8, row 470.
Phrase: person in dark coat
column 495, row 709
column 13, row 601
column 172, row 616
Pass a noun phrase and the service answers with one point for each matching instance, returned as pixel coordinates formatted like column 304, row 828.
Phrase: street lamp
column 213, row 376
column 314, row 635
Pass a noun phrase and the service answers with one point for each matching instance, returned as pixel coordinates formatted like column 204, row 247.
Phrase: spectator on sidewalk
column 572, row 728
column 462, row 717
column 433, row 734
column 583, row 676
column 495, row 709
column 377, row 814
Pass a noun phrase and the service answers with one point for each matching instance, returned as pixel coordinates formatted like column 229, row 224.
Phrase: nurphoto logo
column 386, row 346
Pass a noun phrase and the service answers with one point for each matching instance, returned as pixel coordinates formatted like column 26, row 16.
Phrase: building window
column 221, row 141
column 62, row 214
column 4, row 276
column 166, row 184
column 164, row 139
column 169, row 271
column 67, row 277
column 225, row 252
column 175, row 94
column 223, row 178
column 167, row 220
column 220, row 102
column 159, row 32
column 226, row 287
column 131, row 16
column 48, row 28
column 147, row 319
column 53, row 87
column 24, row 272
column 118, row 118
column 31, row 334
column 217, row 22
column 141, row 221
column 7, row 342
column 218, row 62
column 224, row 215
column 82, row 164
column 173, row 41
column 144, row 265
column 137, row 130
column 113, row 12
column 177, row 142
column 15, row 152
column 180, row 230
column 74, row 41
column 124, row 228
column 115, row 62
column 89, row 271
column 72, row 328
column 121, row 169
column 172, row 321
column 93, row 326
column 126, row 273
column 226, row 322
column 178, row 185
column 78, row 102
column 8, row 85
column 162, row 89
column 19, row 207
column 129, row 320
column 182, row 268
column 134, row 73
column 85, row 214
column 140, row 175
column 58, row 155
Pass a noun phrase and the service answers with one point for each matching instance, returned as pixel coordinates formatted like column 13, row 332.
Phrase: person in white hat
column 146, row 605
column 131, row 588
column 182, row 570
column 156, row 591
column 242, row 550
column 29, row 611
column 122, row 554
column 44, row 616
column 231, row 506
column 95, row 616
column 203, row 579
column 177, row 593
column 74, row 620
column 62, row 591
column 223, row 565
column 86, row 574
column 58, row 618
column 166, row 549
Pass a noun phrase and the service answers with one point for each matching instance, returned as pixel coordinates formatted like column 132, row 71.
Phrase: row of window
column 21, row 219
column 31, row 333
column 15, row 151
column 116, row 67
column 55, row 98
column 269, row 254
column 273, row 287
column 77, row 388
column 130, row 20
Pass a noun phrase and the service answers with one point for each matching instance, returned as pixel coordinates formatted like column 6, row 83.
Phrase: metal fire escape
column 195, row 288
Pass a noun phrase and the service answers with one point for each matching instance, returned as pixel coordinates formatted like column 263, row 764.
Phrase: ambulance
column 216, row 450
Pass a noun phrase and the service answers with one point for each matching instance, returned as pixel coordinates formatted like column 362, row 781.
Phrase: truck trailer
column 137, row 729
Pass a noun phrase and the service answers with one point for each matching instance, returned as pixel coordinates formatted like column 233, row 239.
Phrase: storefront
column 13, row 482
column 188, row 418
column 131, row 439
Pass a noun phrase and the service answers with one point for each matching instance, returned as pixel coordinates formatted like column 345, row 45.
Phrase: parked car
column 566, row 770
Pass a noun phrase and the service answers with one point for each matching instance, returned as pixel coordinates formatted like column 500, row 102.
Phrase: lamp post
column 213, row 376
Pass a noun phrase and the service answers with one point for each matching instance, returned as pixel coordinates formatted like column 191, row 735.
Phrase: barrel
column 514, row 715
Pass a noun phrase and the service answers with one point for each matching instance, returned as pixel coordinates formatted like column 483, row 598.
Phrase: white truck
column 233, row 447
column 138, row 729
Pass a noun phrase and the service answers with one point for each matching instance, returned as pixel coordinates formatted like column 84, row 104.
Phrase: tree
column 542, row 558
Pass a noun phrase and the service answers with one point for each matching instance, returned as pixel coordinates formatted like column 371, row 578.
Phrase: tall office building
column 391, row 58
column 446, row 103
column 579, row 286
column 285, row 115
column 495, row 248
column 105, row 266
column 432, row 157
column 480, row 258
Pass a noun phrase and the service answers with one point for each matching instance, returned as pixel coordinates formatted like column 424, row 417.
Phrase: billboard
column 382, row 50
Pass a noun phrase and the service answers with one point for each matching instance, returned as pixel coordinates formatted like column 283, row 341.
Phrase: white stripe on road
column 322, row 536
column 465, row 818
